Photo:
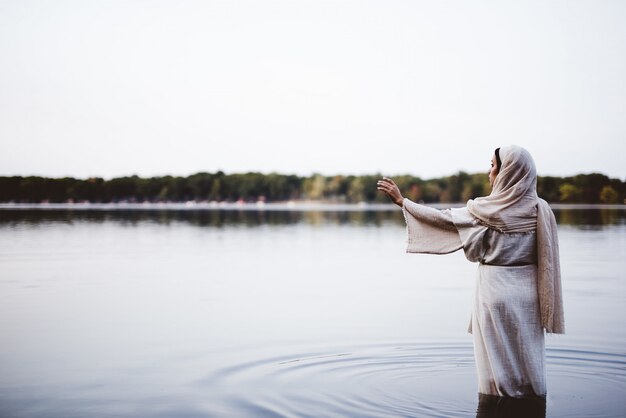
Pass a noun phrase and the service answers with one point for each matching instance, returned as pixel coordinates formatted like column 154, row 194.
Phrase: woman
column 512, row 234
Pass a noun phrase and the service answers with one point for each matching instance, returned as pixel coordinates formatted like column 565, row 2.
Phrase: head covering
column 513, row 206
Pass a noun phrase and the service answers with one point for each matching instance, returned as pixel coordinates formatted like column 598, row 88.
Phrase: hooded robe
column 512, row 235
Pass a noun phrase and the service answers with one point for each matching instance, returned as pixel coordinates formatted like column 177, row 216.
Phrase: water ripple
column 435, row 379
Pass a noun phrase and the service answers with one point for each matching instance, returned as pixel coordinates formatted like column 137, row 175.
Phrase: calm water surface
column 219, row 313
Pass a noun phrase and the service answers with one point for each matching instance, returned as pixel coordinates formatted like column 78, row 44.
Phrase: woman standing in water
column 512, row 235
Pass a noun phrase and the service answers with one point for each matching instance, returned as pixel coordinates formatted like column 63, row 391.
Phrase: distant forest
column 252, row 187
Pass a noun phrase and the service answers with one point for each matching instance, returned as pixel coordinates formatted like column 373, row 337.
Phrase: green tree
column 335, row 188
column 548, row 188
column 475, row 186
column 608, row 195
column 356, row 190
column 10, row 189
column 569, row 193
column 91, row 190
column 589, row 186
column 314, row 187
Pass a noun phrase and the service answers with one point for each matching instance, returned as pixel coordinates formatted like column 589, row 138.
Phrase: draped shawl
column 512, row 207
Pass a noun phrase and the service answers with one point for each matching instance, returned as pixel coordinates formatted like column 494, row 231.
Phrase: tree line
column 274, row 187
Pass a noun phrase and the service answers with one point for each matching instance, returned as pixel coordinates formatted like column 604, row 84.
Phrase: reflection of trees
column 593, row 217
column 218, row 218
column 583, row 188
column 204, row 218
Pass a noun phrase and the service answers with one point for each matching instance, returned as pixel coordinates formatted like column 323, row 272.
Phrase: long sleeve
column 429, row 230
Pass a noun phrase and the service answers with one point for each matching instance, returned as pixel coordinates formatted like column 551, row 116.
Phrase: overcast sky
column 111, row 88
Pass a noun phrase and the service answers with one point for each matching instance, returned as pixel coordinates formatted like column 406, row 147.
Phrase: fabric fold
column 549, row 271
column 512, row 234
column 429, row 231
column 432, row 231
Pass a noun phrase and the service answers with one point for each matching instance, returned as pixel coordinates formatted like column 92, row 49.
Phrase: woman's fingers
column 386, row 185
column 391, row 189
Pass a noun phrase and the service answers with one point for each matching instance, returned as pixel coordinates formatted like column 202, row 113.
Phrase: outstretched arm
column 389, row 187
column 429, row 230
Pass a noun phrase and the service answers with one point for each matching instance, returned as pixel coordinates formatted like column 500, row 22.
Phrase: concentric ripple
column 435, row 379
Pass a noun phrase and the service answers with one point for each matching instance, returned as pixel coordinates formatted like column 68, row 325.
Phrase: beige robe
column 509, row 345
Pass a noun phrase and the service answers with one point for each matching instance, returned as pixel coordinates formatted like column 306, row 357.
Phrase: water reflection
column 589, row 217
column 105, row 310
column 496, row 407
column 209, row 218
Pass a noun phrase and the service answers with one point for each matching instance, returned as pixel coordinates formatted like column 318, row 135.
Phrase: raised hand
column 389, row 187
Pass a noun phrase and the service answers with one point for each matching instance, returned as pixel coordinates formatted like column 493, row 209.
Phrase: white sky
column 111, row 88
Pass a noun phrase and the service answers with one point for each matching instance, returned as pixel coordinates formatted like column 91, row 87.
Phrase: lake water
column 279, row 313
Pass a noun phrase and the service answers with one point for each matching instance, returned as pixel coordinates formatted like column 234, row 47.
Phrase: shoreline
column 296, row 206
